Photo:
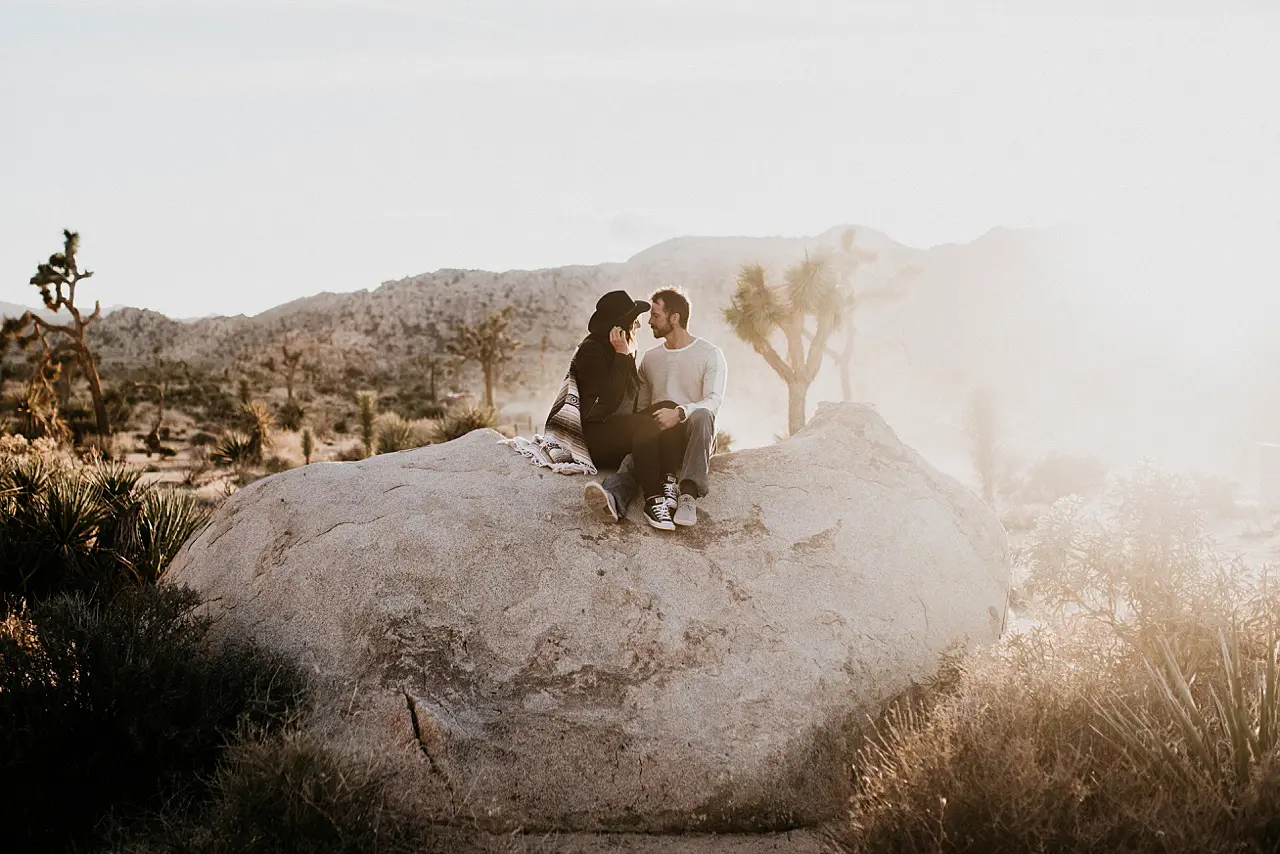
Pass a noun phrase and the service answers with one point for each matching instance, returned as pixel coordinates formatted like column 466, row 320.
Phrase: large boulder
column 520, row 662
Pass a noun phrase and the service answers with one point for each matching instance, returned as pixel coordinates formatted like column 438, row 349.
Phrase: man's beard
column 660, row 331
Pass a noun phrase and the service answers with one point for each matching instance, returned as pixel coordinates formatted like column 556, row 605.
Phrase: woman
column 608, row 388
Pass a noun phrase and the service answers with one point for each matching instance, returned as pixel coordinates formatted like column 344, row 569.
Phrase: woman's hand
column 621, row 341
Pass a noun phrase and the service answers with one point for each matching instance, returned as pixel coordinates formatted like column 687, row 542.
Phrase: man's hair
column 674, row 302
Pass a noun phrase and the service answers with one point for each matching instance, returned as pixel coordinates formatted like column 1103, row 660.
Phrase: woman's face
column 635, row 327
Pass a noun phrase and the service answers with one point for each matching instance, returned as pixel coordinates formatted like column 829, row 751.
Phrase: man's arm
column 644, row 398
column 715, row 376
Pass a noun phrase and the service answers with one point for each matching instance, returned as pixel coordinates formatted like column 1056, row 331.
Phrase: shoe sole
column 661, row 526
column 686, row 523
column 599, row 501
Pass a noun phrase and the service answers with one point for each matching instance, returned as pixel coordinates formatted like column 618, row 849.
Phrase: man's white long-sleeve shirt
column 692, row 377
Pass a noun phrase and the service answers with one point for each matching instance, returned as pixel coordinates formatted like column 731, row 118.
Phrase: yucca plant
column 262, row 426
column 96, row 529
column 461, row 421
column 1214, row 733
column 233, row 449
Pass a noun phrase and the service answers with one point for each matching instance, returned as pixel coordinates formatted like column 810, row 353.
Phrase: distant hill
column 985, row 313
column 1011, row 311
column 12, row 309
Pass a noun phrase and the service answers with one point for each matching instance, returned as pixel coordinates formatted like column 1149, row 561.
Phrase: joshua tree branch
column 45, row 326
column 765, row 349
column 818, row 347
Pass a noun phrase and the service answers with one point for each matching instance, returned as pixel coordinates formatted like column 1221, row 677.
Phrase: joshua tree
column 758, row 310
column 488, row 345
column 367, row 411
column 848, row 262
column 431, row 365
column 289, row 362
column 242, row 391
column 163, row 373
column 308, row 445
column 57, row 281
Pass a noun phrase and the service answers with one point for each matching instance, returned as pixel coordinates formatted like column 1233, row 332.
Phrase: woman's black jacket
column 607, row 379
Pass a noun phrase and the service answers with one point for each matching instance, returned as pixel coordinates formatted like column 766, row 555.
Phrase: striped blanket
column 561, row 446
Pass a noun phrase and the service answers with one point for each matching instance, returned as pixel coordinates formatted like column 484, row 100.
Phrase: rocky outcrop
column 523, row 663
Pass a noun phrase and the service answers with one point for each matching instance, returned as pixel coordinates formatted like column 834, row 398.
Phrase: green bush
column 462, row 420
column 94, row 529
column 110, row 707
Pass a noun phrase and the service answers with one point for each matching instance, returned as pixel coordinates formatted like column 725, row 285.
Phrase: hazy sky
column 227, row 156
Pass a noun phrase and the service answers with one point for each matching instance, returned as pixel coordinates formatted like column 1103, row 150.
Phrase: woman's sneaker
column 686, row 511
column 600, row 501
column 658, row 514
column 670, row 492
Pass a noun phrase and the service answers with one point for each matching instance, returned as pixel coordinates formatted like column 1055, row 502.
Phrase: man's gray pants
column 701, row 427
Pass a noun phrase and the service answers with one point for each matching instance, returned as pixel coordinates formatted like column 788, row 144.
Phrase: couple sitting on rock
column 655, row 424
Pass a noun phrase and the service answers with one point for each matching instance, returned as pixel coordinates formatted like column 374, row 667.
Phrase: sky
column 225, row 156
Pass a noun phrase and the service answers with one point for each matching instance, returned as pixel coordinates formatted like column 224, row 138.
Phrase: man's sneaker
column 687, row 511
column 671, row 491
column 658, row 514
column 600, row 501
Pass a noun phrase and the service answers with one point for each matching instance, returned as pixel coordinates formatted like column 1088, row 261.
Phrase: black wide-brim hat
column 615, row 308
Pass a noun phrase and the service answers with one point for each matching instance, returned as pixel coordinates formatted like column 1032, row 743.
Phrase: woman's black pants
column 655, row 452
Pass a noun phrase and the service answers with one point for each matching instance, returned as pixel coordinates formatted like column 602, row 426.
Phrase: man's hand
column 621, row 341
column 667, row 418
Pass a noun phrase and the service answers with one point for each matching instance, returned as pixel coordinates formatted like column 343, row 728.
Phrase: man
column 682, row 386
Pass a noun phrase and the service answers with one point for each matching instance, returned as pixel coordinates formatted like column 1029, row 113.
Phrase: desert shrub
column 95, row 529
column 197, row 468
column 394, row 433
column 110, row 706
column 460, row 421
column 723, row 443
column 290, row 416
column 1144, row 561
column 418, row 408
column 351, row 453
column 15, row 448
column 80, row 420
column 308, row 445
column 287, row 793
column 276, row 464
column 1145, row 717
column 1062, row 745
